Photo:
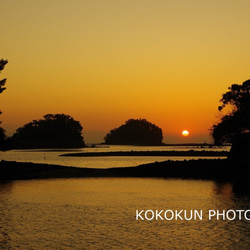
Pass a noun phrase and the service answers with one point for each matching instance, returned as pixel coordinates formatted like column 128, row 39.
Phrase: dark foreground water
column 100, row 213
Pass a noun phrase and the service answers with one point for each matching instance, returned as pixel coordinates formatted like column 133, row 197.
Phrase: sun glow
column 185, row 133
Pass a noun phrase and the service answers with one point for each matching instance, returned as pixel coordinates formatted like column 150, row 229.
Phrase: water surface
column 53, row 156
column 99, row 213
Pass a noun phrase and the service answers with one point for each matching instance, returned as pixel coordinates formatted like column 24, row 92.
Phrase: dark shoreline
column 202, row 169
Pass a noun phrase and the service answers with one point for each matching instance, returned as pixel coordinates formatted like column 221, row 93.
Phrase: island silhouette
column 135, row 132
column 53, row 131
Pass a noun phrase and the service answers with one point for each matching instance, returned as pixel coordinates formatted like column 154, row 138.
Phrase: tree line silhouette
column 60, row 130
column 236, row 122
column 234, row 126
column 53, row 131
column 135, row 132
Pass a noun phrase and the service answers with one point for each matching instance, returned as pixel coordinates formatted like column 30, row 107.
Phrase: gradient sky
column 105, row 61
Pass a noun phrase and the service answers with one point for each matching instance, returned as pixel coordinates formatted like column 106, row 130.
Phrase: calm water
column 53, row 157
column 100, row 214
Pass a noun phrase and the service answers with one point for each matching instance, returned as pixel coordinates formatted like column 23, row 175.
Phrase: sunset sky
column 105, row 61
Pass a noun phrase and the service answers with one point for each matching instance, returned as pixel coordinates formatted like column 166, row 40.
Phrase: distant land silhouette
column 135, row 132
column 53, row 131
column 149, row 153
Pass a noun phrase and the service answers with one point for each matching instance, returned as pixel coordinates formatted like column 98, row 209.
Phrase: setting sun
column 185, row 133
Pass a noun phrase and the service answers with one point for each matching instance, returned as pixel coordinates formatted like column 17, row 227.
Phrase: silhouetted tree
column 135, row 132
column 237, row 122
column 3, row 81
column 54, row 131
column 2, row 88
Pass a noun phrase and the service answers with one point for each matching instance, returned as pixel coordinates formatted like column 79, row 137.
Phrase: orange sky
column 103, row 62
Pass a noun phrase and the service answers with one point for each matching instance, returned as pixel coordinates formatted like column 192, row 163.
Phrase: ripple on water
column 100, row 213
